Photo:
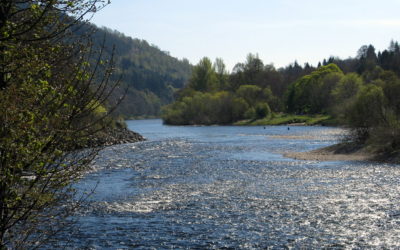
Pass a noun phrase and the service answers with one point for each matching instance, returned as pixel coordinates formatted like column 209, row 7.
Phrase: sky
column 279, row 31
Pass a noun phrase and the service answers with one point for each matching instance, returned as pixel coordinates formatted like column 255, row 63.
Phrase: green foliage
column 239, row 108
column 371, row 110
column 367, row 111
column 174, row 113
column 205, row 108
column 274, row 102
column 151, row 75
column 367, row 58
column 51, row 102
column 311, row 93
column 208, row 100
column 250, row 101
column 285, row 119
column 250, row 93
column 204, row 77
column 98, row 109
column 250, row 113
column 143, row 102
column 391, row 89
column 366, row 98
column 347, row 87
column 253, row 72
column 221, row 73
column 262, row 110
column 344, row 94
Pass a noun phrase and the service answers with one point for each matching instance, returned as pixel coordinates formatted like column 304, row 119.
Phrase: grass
column 284, row 119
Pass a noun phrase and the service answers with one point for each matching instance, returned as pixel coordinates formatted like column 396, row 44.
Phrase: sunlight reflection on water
column 233, row 188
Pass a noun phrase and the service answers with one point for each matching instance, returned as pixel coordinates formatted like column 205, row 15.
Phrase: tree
column 344, row 94
column 310, row 94
column 239, row 107
column 262, row 110
column 53, row 89
column 221, row 73
column 250, row 93
column 347, row 87
column 250, row 72
column 391, row 88
column 203, row 76
column 273, row 79
column 367, row 58
column 274, row 102
column 31, row 22
column 253, row 69
column 368, row 111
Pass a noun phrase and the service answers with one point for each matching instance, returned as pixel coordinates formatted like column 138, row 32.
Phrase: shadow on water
column 216, row 187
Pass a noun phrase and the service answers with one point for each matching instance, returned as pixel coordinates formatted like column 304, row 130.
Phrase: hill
column 151, row 75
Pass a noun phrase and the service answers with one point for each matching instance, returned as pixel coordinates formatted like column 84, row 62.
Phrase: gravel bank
column 338, row 152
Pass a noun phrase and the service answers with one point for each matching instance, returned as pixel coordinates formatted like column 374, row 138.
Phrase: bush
column 250, row 93
column 262, row 110
column 239, row 107
column 205, row 108
column 367, row 111
column 250, row 113
column 311, row 93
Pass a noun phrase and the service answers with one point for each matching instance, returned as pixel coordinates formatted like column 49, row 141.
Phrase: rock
column 113, row 136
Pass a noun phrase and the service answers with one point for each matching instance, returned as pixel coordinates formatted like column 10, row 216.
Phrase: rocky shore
column 112, row 136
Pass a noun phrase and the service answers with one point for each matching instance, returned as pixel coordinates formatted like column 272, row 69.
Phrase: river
column 230, row 187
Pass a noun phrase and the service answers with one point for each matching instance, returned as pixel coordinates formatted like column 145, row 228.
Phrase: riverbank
column 113, row 136
column 345, row 152
column 271, row 120
column 290, row 119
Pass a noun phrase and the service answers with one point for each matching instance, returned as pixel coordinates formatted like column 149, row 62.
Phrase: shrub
column 262, row 110
column 250, row 113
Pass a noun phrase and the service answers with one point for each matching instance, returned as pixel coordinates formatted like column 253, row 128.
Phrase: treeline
column 151, row 76
column 213, row 96
column 368, row 103
column 361, row 92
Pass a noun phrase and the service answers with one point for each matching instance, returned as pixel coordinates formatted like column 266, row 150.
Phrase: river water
column 230, row 187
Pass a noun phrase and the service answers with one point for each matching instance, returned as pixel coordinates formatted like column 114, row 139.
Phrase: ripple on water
column 195, row 194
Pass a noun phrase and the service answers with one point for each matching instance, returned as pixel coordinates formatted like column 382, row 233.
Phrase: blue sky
column 280, row 31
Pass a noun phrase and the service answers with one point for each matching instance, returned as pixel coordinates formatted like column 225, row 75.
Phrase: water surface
column 230, row 187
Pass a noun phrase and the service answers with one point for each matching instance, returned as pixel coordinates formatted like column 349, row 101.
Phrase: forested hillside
column 150, row 75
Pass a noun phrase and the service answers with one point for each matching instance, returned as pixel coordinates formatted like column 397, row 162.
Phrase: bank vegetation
column 361, row 93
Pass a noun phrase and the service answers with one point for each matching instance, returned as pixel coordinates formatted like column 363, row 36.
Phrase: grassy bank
column 141, row 117
column 284, row 119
